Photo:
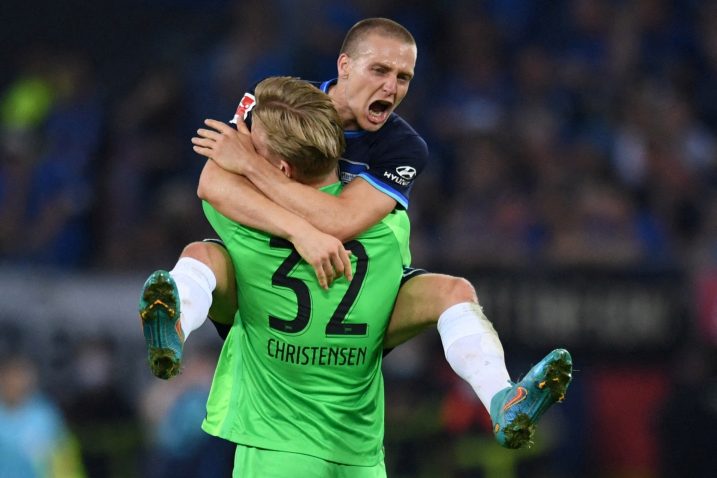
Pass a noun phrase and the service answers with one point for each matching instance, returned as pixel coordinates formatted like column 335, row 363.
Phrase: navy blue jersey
column 390, row 159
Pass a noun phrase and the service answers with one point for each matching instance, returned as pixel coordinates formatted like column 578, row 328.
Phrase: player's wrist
column 252, row 165
column 290, row 227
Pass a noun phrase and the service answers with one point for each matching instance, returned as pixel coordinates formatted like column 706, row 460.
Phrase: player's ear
column 342, row 65
column 286, row 168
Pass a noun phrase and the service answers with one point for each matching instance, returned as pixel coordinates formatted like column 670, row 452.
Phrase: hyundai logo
column 406, row 172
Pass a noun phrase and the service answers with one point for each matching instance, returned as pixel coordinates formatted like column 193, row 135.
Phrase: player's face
column 375, row 81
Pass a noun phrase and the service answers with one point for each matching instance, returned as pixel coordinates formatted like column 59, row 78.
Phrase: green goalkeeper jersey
column 301, row 368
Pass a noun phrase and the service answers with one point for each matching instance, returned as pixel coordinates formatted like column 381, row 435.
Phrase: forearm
column 333, row 215
column 343, row 216
column 238, row 199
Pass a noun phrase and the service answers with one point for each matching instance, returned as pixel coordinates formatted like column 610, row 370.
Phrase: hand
column 232, row 149
column 325, row 254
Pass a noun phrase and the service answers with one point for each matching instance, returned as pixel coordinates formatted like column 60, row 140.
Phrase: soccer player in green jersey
column 298, row 385
column 375, row 68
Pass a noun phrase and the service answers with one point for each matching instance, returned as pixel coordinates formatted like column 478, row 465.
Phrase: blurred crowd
column 565, row 133
column 573, row 132
column 94, row 413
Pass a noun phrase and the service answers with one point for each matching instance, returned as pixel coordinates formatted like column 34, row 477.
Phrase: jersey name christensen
column 316, row 355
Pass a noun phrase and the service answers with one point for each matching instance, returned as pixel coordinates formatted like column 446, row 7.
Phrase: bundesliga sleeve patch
column 245, row 106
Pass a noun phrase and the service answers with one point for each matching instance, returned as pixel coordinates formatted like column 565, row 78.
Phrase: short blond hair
column 302, row 125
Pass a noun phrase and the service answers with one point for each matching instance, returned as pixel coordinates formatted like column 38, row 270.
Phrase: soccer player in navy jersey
column 383, row 158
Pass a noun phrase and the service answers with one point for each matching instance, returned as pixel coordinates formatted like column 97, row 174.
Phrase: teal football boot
column 159, row 310
column 515, row 410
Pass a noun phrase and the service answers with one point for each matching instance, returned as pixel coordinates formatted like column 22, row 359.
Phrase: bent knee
column 197, row 250
column 458, row 290
column 430, row 295
column 210, row 253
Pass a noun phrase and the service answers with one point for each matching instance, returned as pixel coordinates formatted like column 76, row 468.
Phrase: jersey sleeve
column 222, row 225
column 396, row 163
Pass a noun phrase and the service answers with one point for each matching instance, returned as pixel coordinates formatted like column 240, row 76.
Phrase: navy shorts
column 411, row 272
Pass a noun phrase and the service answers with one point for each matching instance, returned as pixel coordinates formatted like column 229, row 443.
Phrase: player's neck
column 327, row 180
column 337, row 93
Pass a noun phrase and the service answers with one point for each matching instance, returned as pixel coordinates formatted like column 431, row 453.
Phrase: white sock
column 473, row 349
column 195, row 283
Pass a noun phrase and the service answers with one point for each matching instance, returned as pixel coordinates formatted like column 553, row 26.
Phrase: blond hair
column 381, row 26
column 302, row 125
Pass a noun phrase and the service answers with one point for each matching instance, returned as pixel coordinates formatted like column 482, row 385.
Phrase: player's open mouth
column 378, row 111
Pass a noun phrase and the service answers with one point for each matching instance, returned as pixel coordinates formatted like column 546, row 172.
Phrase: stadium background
column 573, row 164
